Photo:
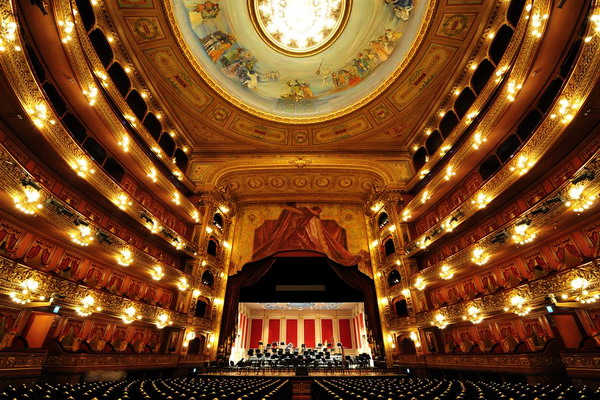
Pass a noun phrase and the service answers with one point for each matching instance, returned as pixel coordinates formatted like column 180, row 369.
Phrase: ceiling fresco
column 233, row 52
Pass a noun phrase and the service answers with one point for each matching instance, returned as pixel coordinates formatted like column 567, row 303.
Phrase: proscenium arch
column 253, row 272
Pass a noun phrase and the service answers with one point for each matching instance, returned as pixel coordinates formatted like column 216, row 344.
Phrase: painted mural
column 335, row 230
column 378, row 35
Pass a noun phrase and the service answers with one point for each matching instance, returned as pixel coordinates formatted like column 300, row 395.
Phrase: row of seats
column 162, row 389
column 424, row 389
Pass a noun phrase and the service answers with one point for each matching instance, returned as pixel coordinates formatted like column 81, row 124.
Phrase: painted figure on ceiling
column 208, row 10
column 402, row 8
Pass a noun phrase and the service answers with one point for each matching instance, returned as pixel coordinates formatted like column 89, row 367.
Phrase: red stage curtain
column 309, row 332
column 291, row 331
column 345, row 333
column 274, row 325
column 255, row 333
column 327, row 331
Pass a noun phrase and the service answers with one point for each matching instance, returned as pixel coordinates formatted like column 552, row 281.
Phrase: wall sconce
column 376, row 207
column 415, row 338
column 196, row 216
column 481, row 200
column 83, row 236
column 30, row 202
column 517, row 306
column 125, row 258
column 176, row 198
column 423, row 242
column 196, row 293
column 446, row 273
column 28, row 292
column 578, row 200
column 153, row 175
column 130, row 314
column 537, row 22
column 513, row 89
column 87, row 306
column 440, row 321
column 523, row 165
column 566, row 111
column 82, row 167
column 449, row 173
column 405, row 292
column 8, row 34
column 473, row 315
column 521, row 236
column 176, row 242
column 92, row 94
column 420, row 283
column 157, row 273
column 480, row 257
column 162, row 321
column 123, row 202
column 39, row 115
column 580, row 291
column 406, row 215
column 425, row 196
column 183, row 284
column 478, row 140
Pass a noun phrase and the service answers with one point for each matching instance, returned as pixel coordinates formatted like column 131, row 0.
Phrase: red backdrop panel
column 327, row 331
column 274, row 325
column 345, row 333
column 309, row 332
column 291, row 331
column 255, row 333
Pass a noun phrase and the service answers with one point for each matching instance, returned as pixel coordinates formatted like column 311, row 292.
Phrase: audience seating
column 423, row 389
column 162, row 389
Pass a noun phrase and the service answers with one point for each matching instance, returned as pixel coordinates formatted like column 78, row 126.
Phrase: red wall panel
column 255, row 333
column 345, row 333
column 309, row 332
column 274, row 325
column 327, row 331
column 291, row 331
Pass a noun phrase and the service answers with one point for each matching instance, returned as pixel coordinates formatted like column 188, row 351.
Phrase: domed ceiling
column 299, row 59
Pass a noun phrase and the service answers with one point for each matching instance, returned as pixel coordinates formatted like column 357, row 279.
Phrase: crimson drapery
column 303, row 229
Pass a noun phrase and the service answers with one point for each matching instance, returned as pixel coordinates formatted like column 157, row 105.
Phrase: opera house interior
column 411, row 212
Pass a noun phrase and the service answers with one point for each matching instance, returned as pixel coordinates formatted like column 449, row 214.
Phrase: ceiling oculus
column 299, row 28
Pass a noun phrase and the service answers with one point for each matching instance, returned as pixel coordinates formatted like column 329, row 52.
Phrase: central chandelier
column 299, row 27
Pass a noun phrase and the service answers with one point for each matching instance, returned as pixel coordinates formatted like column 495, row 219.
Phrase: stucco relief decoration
column 267, row 57
column 330, row 229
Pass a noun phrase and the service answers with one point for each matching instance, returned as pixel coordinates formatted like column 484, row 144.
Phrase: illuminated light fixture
column 578, row 200
column 423, row 173
column 132, row 121
column 595, row 30
column 177, row 243
column 517, row 306
column 425, row 196
column 125, row 257
column 423, row 242
column 566, row 111
column 157, row 273
column 406, row 215
column 178, row 174
column 449, row 224
column 473, row 315
column 82, row 167
column 87, row 306
column 196, row 293
column 226, row 244
column 157, row 151
column 405, row 292
column 163, row 321
column 176, row 198
column 39, row 115
column 196, row 216
column 471, row 116
column 203, row 263
column 513, row 89
column 209, row 230
column 491, row 35
column 83, row 236
column 110, row 38
column 521, row 236
column 218, row 301
column 420, row 283
column 480, row 257
column 28, row 292
column 299, row 27
column 124, row 143
column 123, row 202
column 376, row 207
column 442, row 113
column 474, row 66
column 30, row 202
column 104, row 78
column 185, row 149
column 446, row 273
column 449, row 173
column 537, row 22
column 581, row 293
column 172, row 133
column 427, row 132
column 440, row 321
column 478, row 140
column 457, row 92
column 481, row 200
column 153, row 175
column 130, row 314
column 183, row 284
column 67, row 28
column 415, row 338
column 415, row 147
column 499, row 73
column 8, row 34
column 392, row 228
column 143, row 94
column 91, row 94
column 523, row 165
column 398, row 262
column 444, row 150
column 152, row 225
